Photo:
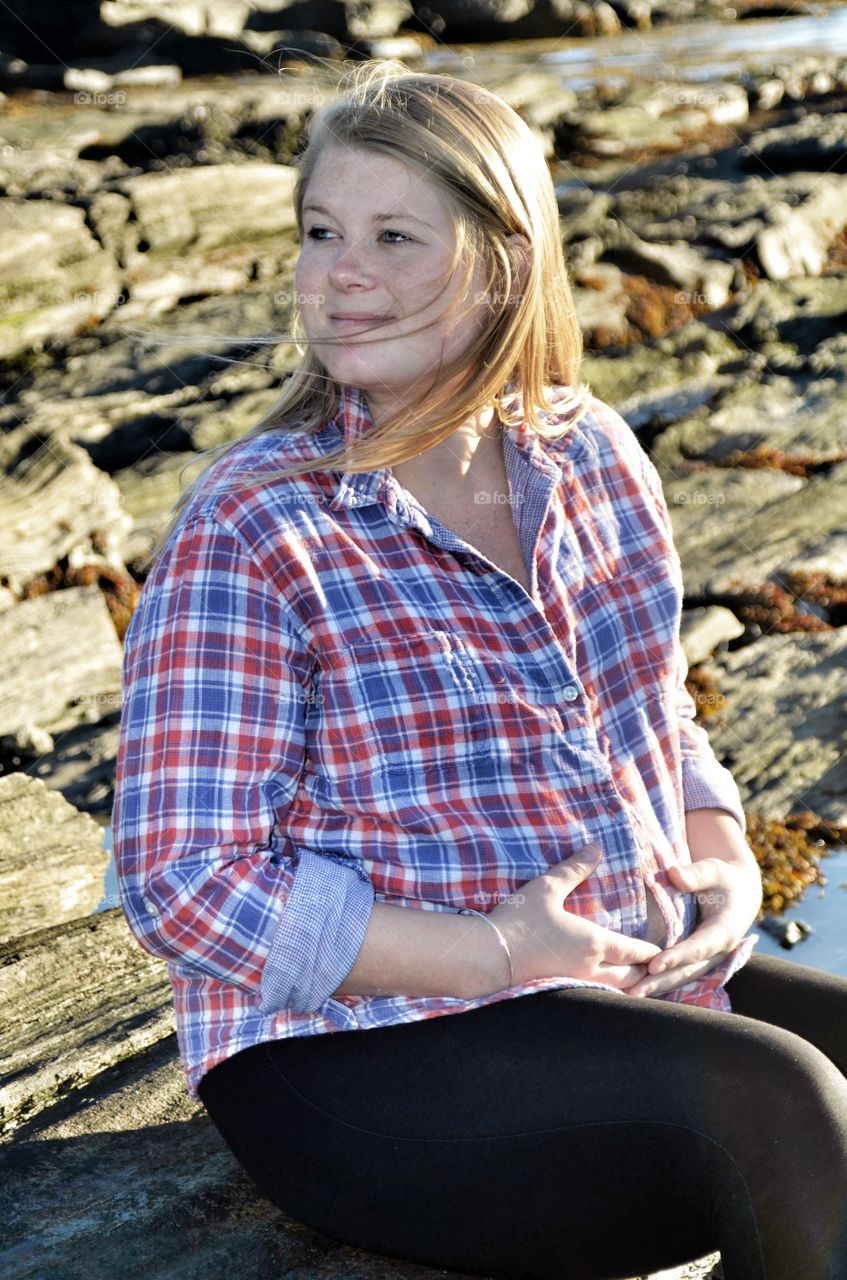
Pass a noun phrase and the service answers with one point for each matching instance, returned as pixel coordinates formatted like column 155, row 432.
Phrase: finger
column 652, row 986
column 578, row 866
column 705, row 941
column 621, row 950
column 621, row 975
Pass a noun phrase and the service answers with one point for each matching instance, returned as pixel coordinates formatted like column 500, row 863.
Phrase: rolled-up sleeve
column 215, row 679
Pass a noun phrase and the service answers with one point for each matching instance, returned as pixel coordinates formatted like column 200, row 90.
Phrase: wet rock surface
column 146, row 273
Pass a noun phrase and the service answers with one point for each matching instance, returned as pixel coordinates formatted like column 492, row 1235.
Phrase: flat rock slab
column 74, row 1000
column 782, row 733
column 52, row 860
column 55, row 504
column 741, row 528
column 62, row 666
column 54, row 275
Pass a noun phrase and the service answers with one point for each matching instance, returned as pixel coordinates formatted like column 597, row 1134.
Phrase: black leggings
column 565, row 1135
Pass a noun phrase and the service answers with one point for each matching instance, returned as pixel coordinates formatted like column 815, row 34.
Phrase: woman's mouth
column 344, row 319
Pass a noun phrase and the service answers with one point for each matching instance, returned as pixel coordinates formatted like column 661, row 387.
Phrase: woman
column 406, row 735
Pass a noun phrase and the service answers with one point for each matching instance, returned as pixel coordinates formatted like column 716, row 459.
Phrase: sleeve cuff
column 711, row 786
column 320, row 933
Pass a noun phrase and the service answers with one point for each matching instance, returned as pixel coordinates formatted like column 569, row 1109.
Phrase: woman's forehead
column 376, row 176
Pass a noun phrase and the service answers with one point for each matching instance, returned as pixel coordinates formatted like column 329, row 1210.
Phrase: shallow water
column 691, row 51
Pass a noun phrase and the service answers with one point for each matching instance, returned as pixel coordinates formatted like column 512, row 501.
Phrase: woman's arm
column 725, row 877
column 211, row 748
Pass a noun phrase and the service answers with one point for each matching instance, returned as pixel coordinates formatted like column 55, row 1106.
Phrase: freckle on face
column 355, row 267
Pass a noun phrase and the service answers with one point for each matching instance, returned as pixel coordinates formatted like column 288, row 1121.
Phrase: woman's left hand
column 729, row 895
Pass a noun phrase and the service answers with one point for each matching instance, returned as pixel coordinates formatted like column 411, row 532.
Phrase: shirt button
column 570, row 692
column 152, row 909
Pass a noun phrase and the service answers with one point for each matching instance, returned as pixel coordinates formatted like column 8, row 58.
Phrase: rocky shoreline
column 146, row 257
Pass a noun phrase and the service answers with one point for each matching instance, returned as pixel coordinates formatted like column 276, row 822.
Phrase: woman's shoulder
column 249, row 476
column 602, row 432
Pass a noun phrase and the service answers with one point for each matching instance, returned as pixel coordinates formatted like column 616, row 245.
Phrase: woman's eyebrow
column 378, row 217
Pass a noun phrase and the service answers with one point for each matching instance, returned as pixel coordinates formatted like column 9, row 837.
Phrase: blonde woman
column 454, row 894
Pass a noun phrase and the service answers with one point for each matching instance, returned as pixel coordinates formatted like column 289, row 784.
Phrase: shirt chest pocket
column 416, row 704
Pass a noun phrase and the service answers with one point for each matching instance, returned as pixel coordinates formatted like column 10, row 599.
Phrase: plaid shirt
column 330, row 698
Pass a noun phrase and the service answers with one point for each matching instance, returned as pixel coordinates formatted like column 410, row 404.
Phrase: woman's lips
column 356, row 319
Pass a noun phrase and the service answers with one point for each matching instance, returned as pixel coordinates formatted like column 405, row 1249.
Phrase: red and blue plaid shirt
column 331, row 698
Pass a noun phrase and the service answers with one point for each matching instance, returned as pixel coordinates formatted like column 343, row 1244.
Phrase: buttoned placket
column 533, row 478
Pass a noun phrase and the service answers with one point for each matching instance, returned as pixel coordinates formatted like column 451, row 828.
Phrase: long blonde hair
column 493, row 175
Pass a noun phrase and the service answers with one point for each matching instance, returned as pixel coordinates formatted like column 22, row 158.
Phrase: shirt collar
column 352, row 420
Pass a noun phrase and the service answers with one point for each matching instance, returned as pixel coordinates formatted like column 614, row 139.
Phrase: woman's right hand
column 546, row 940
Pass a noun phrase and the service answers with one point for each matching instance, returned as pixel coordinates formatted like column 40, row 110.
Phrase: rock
column 600, row 303
column 698, row 279
column 797, row 325
column 62, row 666
column 55, row 505
column 208, row 208
column 799, row 241
column 48, row 33
column 650, row 117
column 718, row 523
column 55, row 279
column 484, row 20
column 816, row 142
column 52, row 861
column 787, row 932
column 81, row 765
column 782, row 732
column 773, row 537
column 82, row 996
column 149, row 490
column 703, row 630
column 657, row 383
column 800, row 417
column 379, row 20
column 540, row 98
column 197, row 232
column 732, row 214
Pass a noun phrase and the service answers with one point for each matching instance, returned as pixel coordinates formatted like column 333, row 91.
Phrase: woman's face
column 378, row 239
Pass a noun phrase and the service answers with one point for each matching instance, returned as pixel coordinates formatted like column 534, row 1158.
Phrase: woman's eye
column 318, row 233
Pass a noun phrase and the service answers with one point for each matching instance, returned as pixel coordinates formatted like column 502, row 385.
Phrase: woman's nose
column 350, row 265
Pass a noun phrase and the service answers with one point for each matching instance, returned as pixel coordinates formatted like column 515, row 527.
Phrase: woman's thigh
column 570, row 1133
column 809, row 1002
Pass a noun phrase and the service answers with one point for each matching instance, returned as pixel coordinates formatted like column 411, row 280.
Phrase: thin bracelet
column 471, row 911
